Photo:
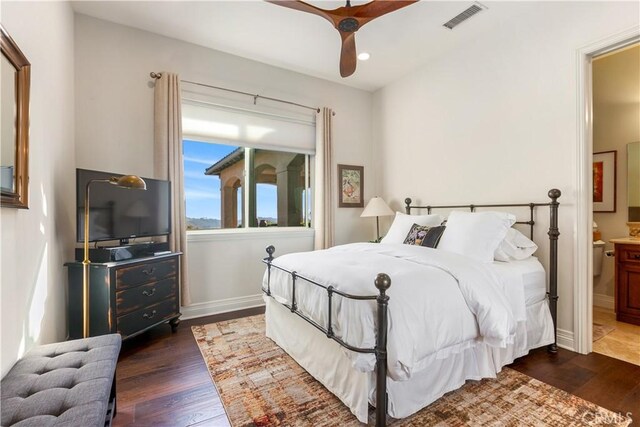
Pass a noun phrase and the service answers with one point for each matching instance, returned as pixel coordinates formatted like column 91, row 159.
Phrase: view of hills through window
column 208, row 206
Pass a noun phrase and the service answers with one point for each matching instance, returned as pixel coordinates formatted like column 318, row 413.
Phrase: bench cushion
column 61, row 384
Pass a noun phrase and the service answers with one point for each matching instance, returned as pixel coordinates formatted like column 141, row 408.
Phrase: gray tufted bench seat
column 70, row 384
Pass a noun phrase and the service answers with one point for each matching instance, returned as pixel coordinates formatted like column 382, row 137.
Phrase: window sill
column 248, row 234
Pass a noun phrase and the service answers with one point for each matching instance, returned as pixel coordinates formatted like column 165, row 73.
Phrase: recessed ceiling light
column 363, row 56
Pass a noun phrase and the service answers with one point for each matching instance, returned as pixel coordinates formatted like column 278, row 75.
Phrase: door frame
column 583, row 254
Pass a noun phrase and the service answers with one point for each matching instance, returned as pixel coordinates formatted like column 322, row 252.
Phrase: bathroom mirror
column 633, row 181
column 15, row 73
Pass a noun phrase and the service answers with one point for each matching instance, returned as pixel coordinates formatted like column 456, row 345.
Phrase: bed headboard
column 553, row 194
column 553, row 233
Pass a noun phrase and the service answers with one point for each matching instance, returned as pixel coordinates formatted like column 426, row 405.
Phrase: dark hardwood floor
column 611, row 383
column 163, row 380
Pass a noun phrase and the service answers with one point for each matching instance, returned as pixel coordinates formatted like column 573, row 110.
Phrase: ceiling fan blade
column 377, row 8
column 347, row 20
column 303, row 7
column 348, row 54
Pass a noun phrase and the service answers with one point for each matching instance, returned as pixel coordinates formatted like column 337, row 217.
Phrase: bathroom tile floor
column 623, row 343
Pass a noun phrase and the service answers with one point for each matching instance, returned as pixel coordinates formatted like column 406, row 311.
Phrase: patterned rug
column 599, row 331
column 260, row 385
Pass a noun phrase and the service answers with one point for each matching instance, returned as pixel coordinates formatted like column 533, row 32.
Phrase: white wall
column 496, row 120
column 35, row 243
column 114, row 132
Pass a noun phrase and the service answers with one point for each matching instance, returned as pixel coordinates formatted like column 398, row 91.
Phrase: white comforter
column 440, row 303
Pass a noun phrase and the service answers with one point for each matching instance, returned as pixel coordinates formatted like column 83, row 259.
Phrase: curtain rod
column 255, row 97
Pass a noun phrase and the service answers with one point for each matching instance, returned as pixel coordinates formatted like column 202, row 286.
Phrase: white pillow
column 475, row 234
column 515, row 246
column 402, row 223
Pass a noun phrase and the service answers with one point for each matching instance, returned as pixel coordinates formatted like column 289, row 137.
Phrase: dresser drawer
column 145, row 317
column 142, row 296
column 128, row 277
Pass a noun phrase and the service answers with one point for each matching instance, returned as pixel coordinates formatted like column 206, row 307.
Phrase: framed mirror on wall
column 15, row 77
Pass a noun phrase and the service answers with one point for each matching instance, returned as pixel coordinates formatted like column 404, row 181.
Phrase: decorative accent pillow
column 402, row 223
column 476, row 234
column 416, row 234
column 515, row 246
column 433, row 236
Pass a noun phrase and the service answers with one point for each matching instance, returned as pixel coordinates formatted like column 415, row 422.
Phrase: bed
column 450, row 316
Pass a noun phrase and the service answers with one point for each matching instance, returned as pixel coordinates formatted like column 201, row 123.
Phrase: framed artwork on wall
column 604, row 181
column 350, row 186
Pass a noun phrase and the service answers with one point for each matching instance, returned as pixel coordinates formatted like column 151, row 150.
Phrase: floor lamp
column 126, row 181
column 377, row 207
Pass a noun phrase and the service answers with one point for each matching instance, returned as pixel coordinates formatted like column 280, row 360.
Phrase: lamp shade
column 129, row 181
column 376, row 207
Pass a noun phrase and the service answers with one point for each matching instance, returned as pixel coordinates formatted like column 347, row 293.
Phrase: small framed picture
column 604, row 181
column 351, row 186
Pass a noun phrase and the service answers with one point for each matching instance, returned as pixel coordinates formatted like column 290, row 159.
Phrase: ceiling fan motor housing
column 348, row 25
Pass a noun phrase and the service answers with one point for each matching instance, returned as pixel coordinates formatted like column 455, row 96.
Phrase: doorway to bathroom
column 615, row 108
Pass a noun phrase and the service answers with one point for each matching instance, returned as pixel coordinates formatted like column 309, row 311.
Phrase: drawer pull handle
column 150, row 271
column 636, row 256
column 149, row 316
column 149, row 293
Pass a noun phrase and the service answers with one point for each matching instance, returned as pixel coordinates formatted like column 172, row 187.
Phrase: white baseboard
column 604, row 301
column 565, row 340
column 221, row 306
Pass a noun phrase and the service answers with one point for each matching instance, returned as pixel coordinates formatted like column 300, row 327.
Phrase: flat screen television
column 121, row 214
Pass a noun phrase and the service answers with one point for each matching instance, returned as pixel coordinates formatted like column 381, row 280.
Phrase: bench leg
column 113, row 404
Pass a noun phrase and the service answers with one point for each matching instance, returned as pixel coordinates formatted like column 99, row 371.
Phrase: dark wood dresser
column 627, row 292
column 127, row 297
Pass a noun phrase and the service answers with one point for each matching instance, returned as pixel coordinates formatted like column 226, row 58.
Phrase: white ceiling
column 398, row 42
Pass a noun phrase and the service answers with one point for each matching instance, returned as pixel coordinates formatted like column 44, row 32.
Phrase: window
column 202, row 190
column 280, row 179
column 225, row 184
column 245, row 165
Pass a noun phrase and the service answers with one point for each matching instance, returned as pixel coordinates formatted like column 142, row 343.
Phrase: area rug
column 260, row 385
column 599, row 331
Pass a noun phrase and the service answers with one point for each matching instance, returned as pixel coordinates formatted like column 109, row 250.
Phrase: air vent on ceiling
column 457, row 20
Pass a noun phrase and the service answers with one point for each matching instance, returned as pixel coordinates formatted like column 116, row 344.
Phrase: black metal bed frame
column 382, row 282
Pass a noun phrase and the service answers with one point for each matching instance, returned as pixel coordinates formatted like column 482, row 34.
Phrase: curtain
column 168, row 165
column 323, row 212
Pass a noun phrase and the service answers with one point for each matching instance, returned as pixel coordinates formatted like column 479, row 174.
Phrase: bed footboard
column 382, row 283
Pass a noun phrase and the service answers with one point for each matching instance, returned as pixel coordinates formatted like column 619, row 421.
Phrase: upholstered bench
column 70, row 383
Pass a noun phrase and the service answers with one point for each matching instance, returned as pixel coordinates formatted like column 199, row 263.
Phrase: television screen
column 117, row 213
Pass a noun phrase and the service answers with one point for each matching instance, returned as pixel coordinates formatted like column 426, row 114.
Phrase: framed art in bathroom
column 604, row 181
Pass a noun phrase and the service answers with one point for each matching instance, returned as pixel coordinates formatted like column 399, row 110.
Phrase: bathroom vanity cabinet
column 627, row 296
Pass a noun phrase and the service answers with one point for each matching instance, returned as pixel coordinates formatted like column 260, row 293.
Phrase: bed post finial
column 407, row 208
column 270, row 250
column 382, row 282
column 553, row 233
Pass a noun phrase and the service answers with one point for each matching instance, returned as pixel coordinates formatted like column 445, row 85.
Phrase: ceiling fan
column 347, row 20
